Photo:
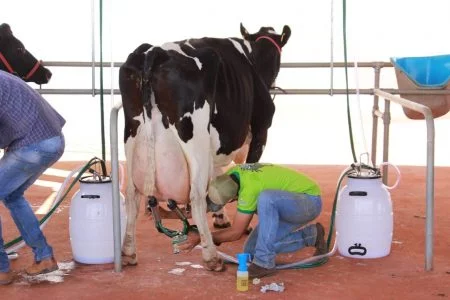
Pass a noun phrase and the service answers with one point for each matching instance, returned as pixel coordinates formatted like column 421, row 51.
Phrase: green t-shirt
column 257, row 177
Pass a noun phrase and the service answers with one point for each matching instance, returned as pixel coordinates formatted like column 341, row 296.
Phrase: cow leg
column 220, row 217
column 198, row 156
column 257, row 146
column 209, row 253
column 133, row 199
column 129, row 256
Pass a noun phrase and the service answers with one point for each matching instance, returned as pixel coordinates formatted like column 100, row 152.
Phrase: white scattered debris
column 55, row 276
column 396, row 242
column 177, row 271
column 183, row 263
column 256, row 281
column 197, row 266
column 276, row 287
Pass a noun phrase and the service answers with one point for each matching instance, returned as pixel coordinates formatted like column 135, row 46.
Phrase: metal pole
column 386, row 123
column 375, row 117
column 93, row 46
column 115, row 187
column 429, row 222
column 429, row 232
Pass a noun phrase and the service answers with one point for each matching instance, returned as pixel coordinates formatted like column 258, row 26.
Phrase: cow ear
column 285, row 35
column 244, row 32
column 5, row 30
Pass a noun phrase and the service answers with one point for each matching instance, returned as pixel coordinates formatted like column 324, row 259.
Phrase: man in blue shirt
column 32, row 139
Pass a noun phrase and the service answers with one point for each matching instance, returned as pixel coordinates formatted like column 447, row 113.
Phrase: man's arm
column 235, row 232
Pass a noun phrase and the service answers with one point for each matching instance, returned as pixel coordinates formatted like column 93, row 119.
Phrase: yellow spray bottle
column 242, row 272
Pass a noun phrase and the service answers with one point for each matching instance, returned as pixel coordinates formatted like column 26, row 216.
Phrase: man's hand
column 193, row 239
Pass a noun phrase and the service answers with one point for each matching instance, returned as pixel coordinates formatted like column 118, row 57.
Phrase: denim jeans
column 282, row 218
column 19, row 169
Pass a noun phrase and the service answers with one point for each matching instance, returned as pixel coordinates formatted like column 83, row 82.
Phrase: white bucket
column 91, row 221
column 364, row 218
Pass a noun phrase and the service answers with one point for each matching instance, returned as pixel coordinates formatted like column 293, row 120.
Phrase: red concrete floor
column 400, row 275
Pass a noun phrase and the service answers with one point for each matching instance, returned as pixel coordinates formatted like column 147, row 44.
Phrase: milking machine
column 364, row 215
column 177, row 236
column 91, row 222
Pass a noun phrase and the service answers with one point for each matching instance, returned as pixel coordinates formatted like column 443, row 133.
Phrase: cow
column 189, row 107
column 15, row 59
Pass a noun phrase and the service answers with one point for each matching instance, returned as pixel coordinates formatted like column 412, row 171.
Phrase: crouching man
column 285, row 200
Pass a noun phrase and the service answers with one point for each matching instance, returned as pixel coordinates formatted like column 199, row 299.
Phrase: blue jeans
column 281, row 229
column 19, row 169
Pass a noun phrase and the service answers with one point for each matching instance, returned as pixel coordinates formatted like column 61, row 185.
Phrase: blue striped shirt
column 25, row 116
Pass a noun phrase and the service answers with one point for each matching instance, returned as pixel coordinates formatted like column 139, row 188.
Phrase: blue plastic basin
column 427, row 71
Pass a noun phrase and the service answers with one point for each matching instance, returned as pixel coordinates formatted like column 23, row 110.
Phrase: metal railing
column 429, row 217
column 387, row 94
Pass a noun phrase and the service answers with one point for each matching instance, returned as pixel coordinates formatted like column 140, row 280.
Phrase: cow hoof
column 216, row 265
column 129, row 260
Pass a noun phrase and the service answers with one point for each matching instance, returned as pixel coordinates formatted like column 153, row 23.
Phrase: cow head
column 267, row 45
column 16, row 59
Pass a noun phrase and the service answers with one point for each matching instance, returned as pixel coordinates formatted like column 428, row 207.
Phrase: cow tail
column 153, row 58
column 213, row 64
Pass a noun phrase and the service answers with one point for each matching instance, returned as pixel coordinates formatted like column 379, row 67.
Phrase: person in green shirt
column 285, row 200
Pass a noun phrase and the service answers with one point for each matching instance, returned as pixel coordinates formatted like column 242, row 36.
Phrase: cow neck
column 271, row 40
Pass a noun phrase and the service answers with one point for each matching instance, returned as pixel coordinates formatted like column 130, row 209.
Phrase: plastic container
column 364, row 218
column 91, row 221
column 424, row 73
column 242, row 272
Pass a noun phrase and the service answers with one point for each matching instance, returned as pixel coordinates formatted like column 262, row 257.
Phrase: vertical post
column 115, row 187
column 429, row 231
column 429, row 220
column 93, row 45
column 375, row 108
column 386, row 122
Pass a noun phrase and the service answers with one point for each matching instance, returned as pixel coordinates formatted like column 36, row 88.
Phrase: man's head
column 223, row 189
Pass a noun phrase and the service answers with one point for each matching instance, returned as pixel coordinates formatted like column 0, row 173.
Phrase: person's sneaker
column 42, row 267
column 255, row 271
column 6, row 278
column 321, row 245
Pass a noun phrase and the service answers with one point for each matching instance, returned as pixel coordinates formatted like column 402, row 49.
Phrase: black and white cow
column 189, row 108
column 15, row 59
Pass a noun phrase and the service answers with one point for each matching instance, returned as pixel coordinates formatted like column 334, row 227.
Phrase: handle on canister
column 399, row 176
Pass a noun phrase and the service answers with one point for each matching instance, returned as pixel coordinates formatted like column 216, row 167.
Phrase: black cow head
column 16, row 59
column 280, row 39
column 267, row 50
